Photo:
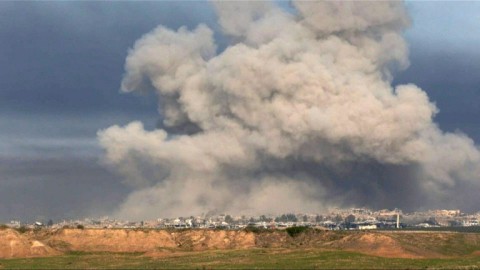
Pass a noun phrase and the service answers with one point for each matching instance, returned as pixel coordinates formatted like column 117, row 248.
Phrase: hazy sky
column 61, row 64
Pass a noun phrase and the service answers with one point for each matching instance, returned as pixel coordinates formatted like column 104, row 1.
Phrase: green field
column 238, row 259
column 472, row 229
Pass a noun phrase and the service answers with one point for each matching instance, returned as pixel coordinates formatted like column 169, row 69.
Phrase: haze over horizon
column 62, row 64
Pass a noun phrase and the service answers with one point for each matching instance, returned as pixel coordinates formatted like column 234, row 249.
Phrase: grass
column 452, row 244
column 238, row 259
column 472, row 229
column 78, row 260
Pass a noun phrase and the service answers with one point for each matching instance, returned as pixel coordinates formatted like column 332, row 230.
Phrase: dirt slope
column 111, row 240
column 373, row 244
column 208, row 239
column 16, row 245
column 161, row 242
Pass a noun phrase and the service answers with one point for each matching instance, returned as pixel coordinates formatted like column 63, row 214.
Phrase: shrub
column 80, row 226
column 3, row 227
column 294, row 231
column 22, row 229
column 254, row 229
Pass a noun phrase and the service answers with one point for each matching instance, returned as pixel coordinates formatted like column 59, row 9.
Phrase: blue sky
column 61, row 64
column 445, row 60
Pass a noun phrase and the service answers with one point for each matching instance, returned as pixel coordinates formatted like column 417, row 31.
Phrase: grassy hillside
column 220, row 249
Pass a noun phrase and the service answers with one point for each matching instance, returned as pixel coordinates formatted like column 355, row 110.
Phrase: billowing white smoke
column 287, row 118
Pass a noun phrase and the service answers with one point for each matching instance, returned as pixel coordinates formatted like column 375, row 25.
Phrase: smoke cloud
column 298, row 113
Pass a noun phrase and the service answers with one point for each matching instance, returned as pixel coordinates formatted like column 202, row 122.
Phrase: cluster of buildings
column 335, row 219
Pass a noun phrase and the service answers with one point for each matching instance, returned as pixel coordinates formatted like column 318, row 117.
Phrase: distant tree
column 291, row 218
column 305, row 218
column 350, row 219
column 432, row 221
column 251, row 220
column 80, row 226
column 294, row 231
column 318, row 218
column 286, row 218
column 263, row 218
column 338, row 218
column 228, row 219
column 50, row 223
column 22, row 229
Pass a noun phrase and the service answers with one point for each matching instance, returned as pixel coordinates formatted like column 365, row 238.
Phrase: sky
column 61, row 65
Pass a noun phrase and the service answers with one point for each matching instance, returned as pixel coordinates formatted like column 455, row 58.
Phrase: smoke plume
column 298, row 113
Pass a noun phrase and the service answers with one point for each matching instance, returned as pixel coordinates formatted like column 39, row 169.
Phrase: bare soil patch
column 16, row 245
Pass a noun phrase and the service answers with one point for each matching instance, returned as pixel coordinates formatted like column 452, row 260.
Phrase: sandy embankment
column 16, row 245
column 49, row 243
column 160, row 242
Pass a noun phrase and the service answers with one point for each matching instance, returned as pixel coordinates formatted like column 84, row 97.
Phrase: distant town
column 336, row 219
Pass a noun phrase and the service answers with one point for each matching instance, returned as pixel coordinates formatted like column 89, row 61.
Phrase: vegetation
column 472, row 229
column 229, row 219
column 37, row 229
column 255, row 229
column 81, row 227
column 450, row 244
column 22, row 229
column 3, row 227
column 294, row 231
column 306, row 248
column 238, row 259
column 286, row 218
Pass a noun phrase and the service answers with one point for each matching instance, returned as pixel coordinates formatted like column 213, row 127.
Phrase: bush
column 294, row 231
column 3, row 227
column 22, row 229
column 81, row 227
column 254, row 229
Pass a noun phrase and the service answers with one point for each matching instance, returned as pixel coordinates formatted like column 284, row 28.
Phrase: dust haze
column 298, row 113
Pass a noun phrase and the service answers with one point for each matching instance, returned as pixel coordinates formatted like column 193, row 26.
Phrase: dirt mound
column 41, row 250
column 16, row 245
column 208, row 239
column 274, row 239
column 476, row 253
column 112, row 240
column 373, row 244
column 376, row 244
column 149, row 240
column 160, row 243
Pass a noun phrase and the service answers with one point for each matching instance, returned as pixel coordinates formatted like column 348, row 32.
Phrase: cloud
column 50, row 167
column 65, row 187
column 297, row 113
column 70, row 54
